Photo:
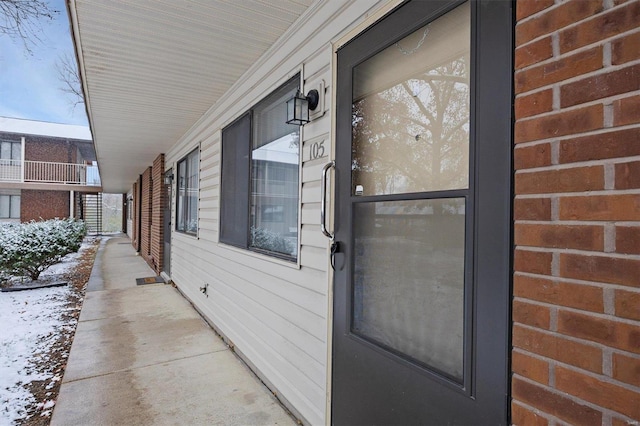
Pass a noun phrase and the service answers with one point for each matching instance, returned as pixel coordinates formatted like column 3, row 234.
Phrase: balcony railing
column 48, row 172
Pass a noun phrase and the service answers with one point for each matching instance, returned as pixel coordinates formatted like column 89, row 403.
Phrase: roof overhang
column 150, row 69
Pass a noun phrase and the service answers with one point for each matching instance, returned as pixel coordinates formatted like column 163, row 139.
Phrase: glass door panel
column 410, row 135
column 422, row 213
column 409, row 279
column 411, row 112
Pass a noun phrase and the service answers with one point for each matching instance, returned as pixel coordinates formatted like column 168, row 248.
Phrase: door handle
column 323, row 201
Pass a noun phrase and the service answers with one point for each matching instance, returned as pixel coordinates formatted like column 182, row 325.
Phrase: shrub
column 27, row 249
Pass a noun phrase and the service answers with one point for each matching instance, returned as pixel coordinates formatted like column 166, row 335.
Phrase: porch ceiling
column 151, row 68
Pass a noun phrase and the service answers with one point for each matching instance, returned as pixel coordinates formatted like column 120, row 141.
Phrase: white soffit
column 152, row 68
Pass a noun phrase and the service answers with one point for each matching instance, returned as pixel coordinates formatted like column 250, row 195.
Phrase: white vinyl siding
column 275, row 312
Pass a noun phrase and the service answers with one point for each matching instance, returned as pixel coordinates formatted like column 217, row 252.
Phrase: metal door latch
column 335, row 248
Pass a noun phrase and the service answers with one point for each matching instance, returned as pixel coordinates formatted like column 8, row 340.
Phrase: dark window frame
column 182, row 216
column 236, row 181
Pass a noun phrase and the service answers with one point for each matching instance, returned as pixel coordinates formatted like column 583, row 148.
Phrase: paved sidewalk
column 142, row 355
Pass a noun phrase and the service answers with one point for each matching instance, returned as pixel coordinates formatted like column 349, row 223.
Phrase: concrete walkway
column 142, row 355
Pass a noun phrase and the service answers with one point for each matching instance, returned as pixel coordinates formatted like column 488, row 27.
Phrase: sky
column 29, row 83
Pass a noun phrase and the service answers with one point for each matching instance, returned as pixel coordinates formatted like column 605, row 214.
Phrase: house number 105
column 317, row 150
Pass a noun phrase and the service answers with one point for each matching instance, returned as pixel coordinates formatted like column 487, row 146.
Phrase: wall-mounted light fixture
column 168, row 178
column 299, row 106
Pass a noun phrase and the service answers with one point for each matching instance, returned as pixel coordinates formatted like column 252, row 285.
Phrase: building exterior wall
column 39, row 205
column 49, row 149
column 146, row 222
column 47, row 204
column 135, row 218
column 576, row 306
column 157, row 205
column 145, row 216
column 274, row 312
column 576, row 281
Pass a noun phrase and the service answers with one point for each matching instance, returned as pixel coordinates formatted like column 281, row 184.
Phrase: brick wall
column 145, row 216
column 157, row 204
column 152, row 203
column 51, row 150
column 37, row 205
column 576, row 307
column 134, row 216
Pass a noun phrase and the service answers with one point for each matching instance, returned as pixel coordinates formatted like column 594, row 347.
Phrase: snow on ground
column 31, row 322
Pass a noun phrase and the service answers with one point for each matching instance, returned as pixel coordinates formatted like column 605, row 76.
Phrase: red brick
column 535, row 262
column 530, row 367
column 533, row 53
column 603, row 26
column 579, row 296
column 603, row 269
column 627, row 110
column 555, row 18
column 600, row 86
column 623, row 207
column 627, row 175
column 615, row 144
column 576, row 179
column 530, row 314
column 145, row 214
column 626, row 369
column 560, row 124
column 625, row 49
column 627, row 304
column 521, row 416
column 49, row 149
column 598, row 392
column 555, row 403
column 618, row 421
column 153, row 205
column 628, row 239
column 534, row 104
column 561, row 69
column 580, row 237
column 532, row 209
column 526, row 8
column 600, row 329
column 556, row 347
column 37, row 205
column 532, row 156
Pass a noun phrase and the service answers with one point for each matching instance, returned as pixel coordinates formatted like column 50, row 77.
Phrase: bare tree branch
column 67, row 70
column 22, row 20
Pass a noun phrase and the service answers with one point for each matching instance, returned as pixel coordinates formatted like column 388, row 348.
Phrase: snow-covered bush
column 27, row 249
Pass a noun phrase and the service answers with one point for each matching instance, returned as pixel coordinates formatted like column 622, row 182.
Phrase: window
column 188, row 184
column 9, row 206
column 10, row 150
column 260, row 174
column 130, row 208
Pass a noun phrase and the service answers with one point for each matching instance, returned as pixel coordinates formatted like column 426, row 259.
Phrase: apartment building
column 46, row 170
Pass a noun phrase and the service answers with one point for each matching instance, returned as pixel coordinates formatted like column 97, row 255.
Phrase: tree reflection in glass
column 410, row 113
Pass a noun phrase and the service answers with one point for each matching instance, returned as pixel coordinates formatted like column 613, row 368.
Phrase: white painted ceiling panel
column 152, row 68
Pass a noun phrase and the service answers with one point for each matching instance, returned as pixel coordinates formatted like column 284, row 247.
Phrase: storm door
column 423, row 175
